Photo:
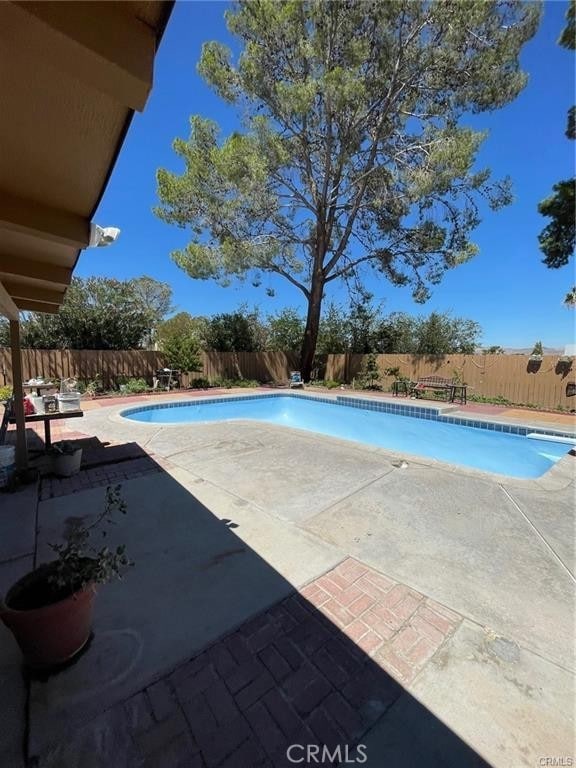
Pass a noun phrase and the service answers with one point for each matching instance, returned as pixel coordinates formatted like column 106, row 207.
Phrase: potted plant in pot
column 537, row 354
column 49, row 610
column 66, row 458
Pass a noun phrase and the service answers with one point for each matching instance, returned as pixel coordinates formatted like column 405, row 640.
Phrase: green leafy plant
column 458, row 376
column 100, row 313
column 225, row 383
column 64, row 448
column 327, row 383
column 182, row 353
column 570, row 298
column 134, row 386
column 496, row 400
column 538, row 350
column 200, row 383
column 79, row 561
column 370, row 373
column 5, row 394
column 91, row 387
column 239, row 331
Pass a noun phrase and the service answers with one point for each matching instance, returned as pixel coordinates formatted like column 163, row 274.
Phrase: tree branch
column 349, row 267
column 288, row 276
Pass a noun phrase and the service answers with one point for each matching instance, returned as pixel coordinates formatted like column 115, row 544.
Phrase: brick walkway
column 99, row 476
column 319, row 668
column 104, row 465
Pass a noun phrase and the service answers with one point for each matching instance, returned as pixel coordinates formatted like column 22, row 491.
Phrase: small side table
column 401, row 387
column 459, row 391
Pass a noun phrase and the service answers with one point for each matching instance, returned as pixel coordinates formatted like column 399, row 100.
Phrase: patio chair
column 296, row 379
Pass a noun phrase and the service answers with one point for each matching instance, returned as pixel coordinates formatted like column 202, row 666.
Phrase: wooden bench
column 9, row 418
column 436, row 383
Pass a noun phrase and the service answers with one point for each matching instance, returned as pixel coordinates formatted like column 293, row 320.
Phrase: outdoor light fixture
column 102, row 236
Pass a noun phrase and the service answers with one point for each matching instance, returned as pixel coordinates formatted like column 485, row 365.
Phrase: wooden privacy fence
column 83, row 364
column 261, row 366
column 512, row 377
column 111, row 364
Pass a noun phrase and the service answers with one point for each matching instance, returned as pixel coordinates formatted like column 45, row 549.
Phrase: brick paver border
column 319, row 668
column 103, row 475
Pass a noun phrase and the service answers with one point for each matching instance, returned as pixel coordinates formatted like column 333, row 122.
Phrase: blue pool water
column 505, row 454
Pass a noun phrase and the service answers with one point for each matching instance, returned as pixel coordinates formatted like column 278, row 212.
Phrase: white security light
column 102, row 236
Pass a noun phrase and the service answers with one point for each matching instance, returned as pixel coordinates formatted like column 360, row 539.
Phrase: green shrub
column 5, row 394
column 225, row 383
column 182, row 353
column 369, row 377
column 200, row 384
column 90, row 387
column 244, row 383
column 496, row 400
column 327, row 383
column 134, row 386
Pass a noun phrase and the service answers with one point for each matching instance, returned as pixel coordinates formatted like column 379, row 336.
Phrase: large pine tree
column 354, row 155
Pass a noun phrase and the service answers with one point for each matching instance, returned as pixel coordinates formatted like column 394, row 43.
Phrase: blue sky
column 506, row 288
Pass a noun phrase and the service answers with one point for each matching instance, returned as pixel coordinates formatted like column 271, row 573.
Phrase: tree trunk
column 312, row 327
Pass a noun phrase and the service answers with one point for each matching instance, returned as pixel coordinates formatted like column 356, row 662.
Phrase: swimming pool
column 431, row 434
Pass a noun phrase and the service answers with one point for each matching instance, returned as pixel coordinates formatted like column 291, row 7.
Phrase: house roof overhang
column 73, row 75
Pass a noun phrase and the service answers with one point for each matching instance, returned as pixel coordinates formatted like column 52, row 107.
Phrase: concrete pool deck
column 456, row 587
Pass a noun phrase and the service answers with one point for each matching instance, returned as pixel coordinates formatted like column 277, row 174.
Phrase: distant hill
column 528, row 350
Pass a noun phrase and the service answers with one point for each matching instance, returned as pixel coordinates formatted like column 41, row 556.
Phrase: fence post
column 18, row 395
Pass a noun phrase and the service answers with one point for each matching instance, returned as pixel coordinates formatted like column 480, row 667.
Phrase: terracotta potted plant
column 66, row 458
column 49, row 610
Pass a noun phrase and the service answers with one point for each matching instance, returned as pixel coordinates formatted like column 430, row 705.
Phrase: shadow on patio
column 205, row 655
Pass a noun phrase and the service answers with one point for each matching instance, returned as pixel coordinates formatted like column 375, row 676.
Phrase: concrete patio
column 297, row 589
